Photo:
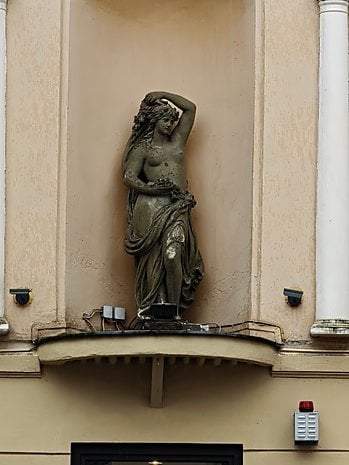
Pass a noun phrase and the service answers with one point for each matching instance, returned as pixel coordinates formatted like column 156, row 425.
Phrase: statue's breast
column 155, row 158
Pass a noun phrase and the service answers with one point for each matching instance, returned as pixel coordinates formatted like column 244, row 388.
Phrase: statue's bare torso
column 166, row 162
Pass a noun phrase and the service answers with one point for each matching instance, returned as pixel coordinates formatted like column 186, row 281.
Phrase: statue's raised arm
column 160, row 234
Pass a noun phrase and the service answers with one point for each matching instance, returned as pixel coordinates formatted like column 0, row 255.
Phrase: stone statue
column 169, row 266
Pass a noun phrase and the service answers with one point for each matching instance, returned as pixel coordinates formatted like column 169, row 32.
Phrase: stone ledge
column 282, row 362
column 23, row 360
column 260, row 329
column 19, row 366
column 208, row 346
column 311, row 363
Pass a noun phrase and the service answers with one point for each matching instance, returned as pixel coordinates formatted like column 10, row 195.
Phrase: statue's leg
column 174, row 274
column 173, row 264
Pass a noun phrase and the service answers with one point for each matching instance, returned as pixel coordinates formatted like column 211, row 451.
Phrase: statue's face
column 165, row 125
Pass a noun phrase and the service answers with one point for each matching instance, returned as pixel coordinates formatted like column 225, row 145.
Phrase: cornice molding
column 19, row 365
column 310, row 364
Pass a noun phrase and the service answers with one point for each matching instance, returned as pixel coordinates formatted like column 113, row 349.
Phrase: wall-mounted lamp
column 22, row 297
column 293, row 297
column 306, row 424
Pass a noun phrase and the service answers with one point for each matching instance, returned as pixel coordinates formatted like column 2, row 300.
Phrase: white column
column 332, row 227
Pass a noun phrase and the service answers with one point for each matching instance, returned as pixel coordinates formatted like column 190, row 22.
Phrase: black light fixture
column 22, row 297
column 293, row 296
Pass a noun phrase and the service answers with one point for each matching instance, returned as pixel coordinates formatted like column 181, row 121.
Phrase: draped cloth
column 171, row 223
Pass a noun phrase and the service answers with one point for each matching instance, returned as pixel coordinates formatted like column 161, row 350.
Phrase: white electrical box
column 306, row 427
column 113, row 313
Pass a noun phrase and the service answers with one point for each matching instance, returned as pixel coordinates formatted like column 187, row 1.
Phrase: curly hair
column 146, row 119
column 144, row 123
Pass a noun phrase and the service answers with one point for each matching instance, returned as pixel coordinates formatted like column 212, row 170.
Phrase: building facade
column 267, row 163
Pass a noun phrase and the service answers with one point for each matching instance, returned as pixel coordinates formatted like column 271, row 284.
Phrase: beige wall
column 285, row 174
column 227, row 404
column 33, row 90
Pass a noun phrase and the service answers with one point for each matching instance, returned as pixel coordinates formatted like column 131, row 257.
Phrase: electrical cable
column 87, row 317
column 130, row 326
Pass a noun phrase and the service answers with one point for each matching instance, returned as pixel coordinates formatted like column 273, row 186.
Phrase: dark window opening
column 155, row 454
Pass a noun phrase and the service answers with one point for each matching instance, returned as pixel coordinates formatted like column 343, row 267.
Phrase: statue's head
column 148, row 116
column 162, row 110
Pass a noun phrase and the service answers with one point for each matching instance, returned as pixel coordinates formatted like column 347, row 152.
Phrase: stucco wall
column 225, row 404
column 287, row 42
column 32, row 159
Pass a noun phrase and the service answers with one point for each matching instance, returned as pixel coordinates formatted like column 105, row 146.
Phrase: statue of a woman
column 159, row 233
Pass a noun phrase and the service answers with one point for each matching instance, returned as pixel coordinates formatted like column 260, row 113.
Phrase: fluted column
column 332, row 227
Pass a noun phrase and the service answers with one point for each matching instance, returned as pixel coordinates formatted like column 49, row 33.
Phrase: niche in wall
column 119, row 51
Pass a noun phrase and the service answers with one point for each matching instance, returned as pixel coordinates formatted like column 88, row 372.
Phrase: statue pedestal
column 164, row 325
column 163, row 311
